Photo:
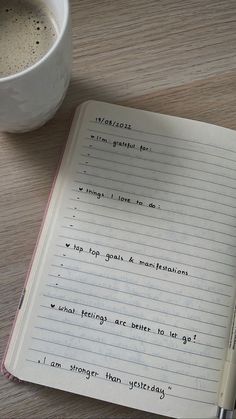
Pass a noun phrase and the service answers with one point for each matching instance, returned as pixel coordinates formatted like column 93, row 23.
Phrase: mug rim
column 48, row 53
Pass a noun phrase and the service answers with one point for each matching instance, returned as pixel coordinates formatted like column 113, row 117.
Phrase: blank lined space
column 174, row 226
column 165, row 182
column 173, row 218
column 156, row 228
column 104, row 355
column 112, row 270
column 188, row 178
column 202, row 167
column 142, row 286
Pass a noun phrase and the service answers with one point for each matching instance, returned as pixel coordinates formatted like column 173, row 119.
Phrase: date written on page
column 118, row 124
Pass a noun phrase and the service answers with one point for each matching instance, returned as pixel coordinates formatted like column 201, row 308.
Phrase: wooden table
column 170, row 56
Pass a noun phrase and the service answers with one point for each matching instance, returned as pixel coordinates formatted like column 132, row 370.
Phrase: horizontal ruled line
column 156, row 161
column 123, row 347
column 129, row 304
column 152, row 299
column 113, row 369
column 157, row 134
column 157, row 171
column 192, row 187
column 171, row 146
column 160, row 218
column 152, row 246
column 165, row 280
column 126, row 183
column 159, row 201
column 176, row 156
column 135, row 317
column 165, row 210
column 154, row 289
column 151, row 235
column 147, row 245
column 120, row 359
column 137, row 340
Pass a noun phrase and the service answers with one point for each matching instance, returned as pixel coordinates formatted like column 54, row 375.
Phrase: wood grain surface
column 171, row 56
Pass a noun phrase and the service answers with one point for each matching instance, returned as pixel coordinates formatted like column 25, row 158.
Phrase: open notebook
column 130, row 293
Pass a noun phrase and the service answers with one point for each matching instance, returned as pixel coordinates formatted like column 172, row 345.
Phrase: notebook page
column 136, row 281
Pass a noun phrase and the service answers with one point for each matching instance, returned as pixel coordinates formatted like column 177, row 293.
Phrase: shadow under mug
column 28, row 99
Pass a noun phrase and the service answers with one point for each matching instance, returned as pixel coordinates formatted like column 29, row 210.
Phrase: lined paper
column 135, row 282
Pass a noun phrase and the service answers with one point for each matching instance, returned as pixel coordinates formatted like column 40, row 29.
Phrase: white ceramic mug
column 31, row 97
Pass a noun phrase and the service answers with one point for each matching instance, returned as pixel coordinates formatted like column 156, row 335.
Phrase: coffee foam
column 27, row 32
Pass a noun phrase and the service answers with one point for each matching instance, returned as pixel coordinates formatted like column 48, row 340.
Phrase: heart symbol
column 67, row 244
column 80, row 189
column 52, row 305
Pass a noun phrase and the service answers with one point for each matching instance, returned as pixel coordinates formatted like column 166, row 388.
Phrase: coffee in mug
column 35, row 61
column 27, row 31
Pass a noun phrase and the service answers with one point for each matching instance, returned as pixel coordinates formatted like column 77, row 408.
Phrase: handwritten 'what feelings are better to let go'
column 136, row 293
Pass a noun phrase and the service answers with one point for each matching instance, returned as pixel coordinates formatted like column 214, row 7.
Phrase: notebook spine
column 8, row 375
